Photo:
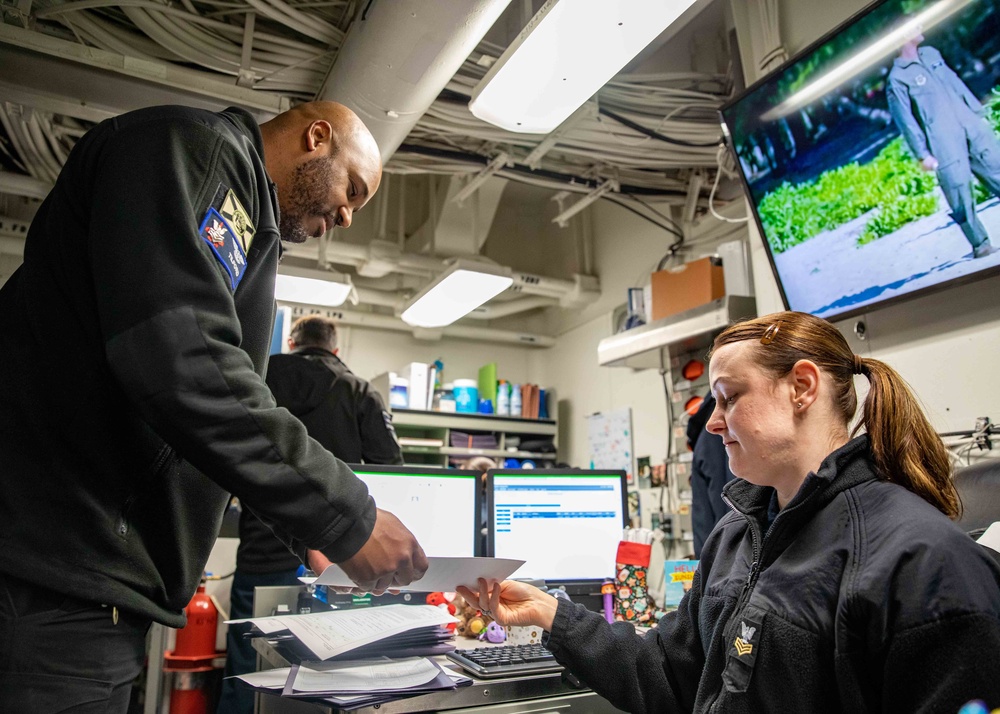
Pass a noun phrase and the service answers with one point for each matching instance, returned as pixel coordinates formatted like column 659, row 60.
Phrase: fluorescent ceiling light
column 569, row 50
column 311, row 286
column 456, row 292
column 866, row 57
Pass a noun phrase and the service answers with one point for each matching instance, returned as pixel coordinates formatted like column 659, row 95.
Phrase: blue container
column 466, row 393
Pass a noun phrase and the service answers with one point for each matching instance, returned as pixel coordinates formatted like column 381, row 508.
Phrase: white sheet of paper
column 991, row 538
column 267, row 626
column 366, row 675
column 443, row 574
column 269, row 678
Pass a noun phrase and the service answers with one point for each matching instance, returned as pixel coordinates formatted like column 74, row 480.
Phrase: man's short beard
column 308, row 193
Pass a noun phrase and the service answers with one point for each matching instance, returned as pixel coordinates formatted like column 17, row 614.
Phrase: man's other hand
column 390, row 558
column 929, row 163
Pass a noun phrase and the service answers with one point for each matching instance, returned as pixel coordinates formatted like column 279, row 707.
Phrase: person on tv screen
column 837, row 582
column 944, row 125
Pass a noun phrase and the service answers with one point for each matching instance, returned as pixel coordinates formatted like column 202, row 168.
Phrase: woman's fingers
column 484, row 595
column 495, row 598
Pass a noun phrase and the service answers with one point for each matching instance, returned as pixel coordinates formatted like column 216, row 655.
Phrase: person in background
column 154, row 255
column 709, row 473
column 482, row 464
column 837, row 584
column 347, row 416
column 945, row 126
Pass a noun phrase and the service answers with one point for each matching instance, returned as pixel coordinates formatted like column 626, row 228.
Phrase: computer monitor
column 564, row 523
column 440, row 506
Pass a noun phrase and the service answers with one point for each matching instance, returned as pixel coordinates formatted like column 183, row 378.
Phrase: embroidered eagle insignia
column 742, row 643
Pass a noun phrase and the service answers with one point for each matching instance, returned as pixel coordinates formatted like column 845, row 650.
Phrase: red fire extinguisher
column 192, row 657
column 197, row 638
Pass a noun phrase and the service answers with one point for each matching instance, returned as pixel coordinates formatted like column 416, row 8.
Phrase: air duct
column 399, row 55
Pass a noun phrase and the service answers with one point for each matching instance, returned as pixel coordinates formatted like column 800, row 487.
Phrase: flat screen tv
column 872, row 159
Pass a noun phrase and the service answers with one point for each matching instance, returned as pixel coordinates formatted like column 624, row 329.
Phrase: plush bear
column 471, row 620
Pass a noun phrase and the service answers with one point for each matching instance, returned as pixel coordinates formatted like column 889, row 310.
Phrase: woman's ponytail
column 905, row 448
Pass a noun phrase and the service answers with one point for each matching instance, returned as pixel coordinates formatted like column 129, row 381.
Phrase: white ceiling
column 65, row 65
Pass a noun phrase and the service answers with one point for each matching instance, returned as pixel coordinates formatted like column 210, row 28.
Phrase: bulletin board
column 609, row 435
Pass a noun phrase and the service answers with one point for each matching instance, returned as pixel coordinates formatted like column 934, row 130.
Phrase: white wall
column 371, row 352
column 627, row 249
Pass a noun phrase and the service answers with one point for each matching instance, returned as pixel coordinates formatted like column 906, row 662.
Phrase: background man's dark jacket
column 132, row 401
column 341, row 411
column 709, row 473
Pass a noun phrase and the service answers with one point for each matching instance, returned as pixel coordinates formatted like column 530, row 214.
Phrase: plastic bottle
column 503, row 398
column 515, row 400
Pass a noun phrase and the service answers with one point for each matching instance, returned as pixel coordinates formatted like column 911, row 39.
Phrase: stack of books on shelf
column 462, row 440
column 530, row 401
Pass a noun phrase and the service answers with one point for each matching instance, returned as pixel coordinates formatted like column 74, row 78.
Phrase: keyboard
column 506, row 661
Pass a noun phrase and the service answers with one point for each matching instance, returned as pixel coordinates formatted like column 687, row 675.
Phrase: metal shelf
column 461, row 451
column 652, row 346
column 472, row 422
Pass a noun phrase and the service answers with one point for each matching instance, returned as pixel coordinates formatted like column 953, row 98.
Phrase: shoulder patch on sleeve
column 218, row 233
column 232, row 210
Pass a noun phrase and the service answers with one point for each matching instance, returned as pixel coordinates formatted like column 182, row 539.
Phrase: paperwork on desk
column 357, row 683
column 402, row 630
column 443, row 574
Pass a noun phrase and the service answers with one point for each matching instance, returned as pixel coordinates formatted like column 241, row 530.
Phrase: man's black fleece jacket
column 133, row 350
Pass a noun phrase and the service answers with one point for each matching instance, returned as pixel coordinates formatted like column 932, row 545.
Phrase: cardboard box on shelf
column 692, row 284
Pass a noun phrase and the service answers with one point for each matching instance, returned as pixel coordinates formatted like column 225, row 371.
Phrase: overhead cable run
column 643, row 131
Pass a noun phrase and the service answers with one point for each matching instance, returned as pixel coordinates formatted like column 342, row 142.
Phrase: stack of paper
column 357, row 683
column 404, row 630
column 341, row 653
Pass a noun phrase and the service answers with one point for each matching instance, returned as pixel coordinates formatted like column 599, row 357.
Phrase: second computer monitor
column 440, row 506
column 564, row 523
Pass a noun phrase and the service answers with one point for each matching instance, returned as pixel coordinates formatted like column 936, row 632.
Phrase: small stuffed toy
column 445, row 601
column 494, row 633
column 471, row 620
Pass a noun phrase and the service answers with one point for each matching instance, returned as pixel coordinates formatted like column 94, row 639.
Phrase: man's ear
column 805, row 380
column 291, row 344
column 319, row 136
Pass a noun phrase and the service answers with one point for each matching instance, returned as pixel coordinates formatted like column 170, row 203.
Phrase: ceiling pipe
column 512, row 307
column 380, row 258
column 21, row 185
column 388, row 322
column 12, row 246
column 383, row 298
column 399, row 55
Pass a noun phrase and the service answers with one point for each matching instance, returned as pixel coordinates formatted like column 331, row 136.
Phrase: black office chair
column 979, row 488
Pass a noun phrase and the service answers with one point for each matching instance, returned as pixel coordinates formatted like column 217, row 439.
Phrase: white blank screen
column 438, row 508
column 565, row 527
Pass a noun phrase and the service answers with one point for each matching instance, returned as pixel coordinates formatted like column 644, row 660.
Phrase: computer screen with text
column 565, row 523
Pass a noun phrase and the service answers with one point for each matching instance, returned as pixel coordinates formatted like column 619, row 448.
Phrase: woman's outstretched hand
column 512, row 603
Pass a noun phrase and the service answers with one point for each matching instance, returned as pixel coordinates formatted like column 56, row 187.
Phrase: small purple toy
column 493, row 633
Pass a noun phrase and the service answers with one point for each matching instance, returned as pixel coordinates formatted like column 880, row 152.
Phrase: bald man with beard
column 133, row 341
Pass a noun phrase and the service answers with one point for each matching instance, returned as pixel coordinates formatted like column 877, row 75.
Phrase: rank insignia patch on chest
column 227, row 248
column 232, row 210
column 744, row 642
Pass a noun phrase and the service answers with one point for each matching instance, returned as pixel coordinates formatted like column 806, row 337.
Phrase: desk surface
column 495, row 696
